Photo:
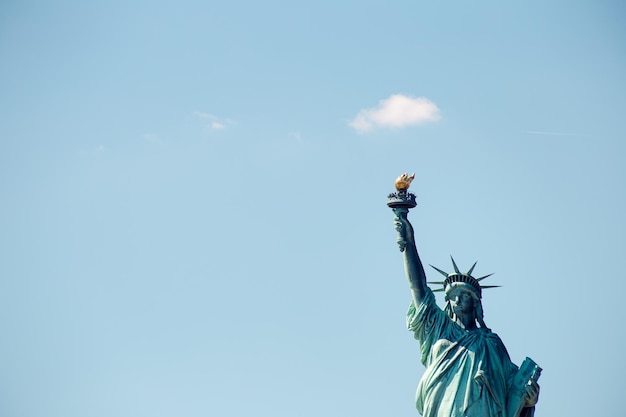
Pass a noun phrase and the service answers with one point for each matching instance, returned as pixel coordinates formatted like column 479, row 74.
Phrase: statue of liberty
column 468, row 370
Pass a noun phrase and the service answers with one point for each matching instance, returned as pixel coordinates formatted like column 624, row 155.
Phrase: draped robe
column 468, row 372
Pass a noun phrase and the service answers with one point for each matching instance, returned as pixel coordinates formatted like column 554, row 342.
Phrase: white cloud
column 212, row 122
column 397, row 111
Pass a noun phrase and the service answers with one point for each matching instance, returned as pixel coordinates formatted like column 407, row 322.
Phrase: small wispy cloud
column 212, row 122
column 397, row 111
column 152, row 138
column 98, row 150
column 203, row 115
column 295, row 135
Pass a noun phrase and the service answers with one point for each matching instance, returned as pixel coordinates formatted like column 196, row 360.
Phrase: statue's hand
column 404, row 228
column 531, row 394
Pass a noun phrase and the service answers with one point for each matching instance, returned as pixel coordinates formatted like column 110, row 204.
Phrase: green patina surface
column 468, row 370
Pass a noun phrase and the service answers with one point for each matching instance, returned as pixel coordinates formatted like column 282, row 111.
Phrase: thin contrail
column 541, row 132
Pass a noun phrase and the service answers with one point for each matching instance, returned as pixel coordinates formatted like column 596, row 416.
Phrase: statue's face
column 462, row 301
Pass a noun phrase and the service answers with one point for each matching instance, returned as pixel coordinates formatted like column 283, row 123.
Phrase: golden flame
column 403, row 182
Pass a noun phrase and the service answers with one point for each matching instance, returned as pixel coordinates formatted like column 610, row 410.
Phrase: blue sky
column 193, row 223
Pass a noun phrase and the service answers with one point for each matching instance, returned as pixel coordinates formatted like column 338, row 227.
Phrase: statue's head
column 462, row 299
column 463, row 293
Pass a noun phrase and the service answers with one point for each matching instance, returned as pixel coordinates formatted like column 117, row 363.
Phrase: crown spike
column 483, row 277
column 456, row 268
column 471, row 269
column 445, row 274
column 459, row 277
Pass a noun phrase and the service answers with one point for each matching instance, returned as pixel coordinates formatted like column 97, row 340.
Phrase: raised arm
column 412, row 263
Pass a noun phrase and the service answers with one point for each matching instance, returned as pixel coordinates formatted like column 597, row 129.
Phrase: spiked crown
column 459, row 277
